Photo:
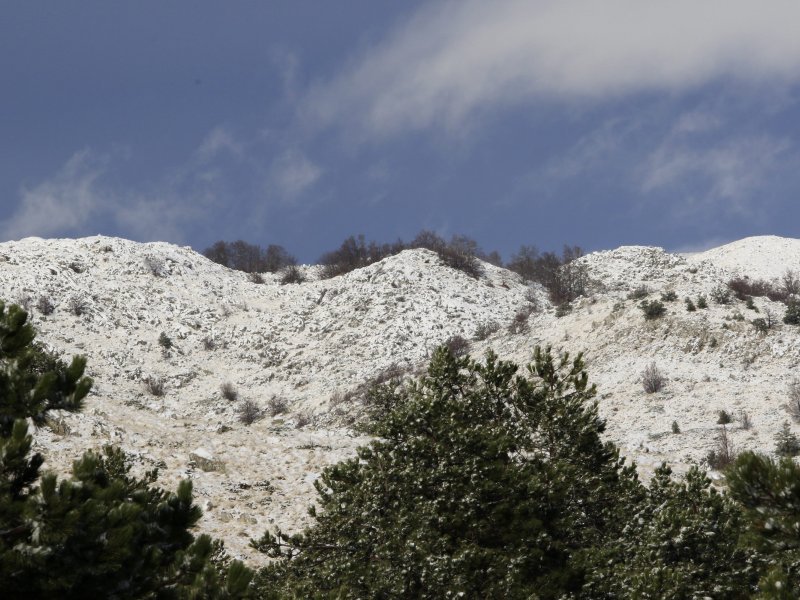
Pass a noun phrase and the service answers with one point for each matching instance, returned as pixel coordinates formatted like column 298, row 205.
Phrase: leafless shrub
column 302, row 419
column 292, row 274
column 461, row 257
column 744, row 287
column 458, row 345
column 154, row 385
column 519, row 324
column 484, row 330
column 533, row 299
column 277, row 405
column 229, row 392
column 669, row 296
column 77, row 305
column 721, row 295
column 723, row 454
column 209, row 343
column 791, row 283
column 652, row 379
column 256, row 278
column 339, row 398
column 391, row 373
column 249, row 412
column 25, row 302
column 639, row 293
column 770, row 317
column 793, row 406
column 155, row 264
column 745, row 421
column 45, row 306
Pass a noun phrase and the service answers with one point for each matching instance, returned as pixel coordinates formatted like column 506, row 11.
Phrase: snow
column 304, row 343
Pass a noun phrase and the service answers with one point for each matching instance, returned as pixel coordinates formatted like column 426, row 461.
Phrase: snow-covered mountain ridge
column 305, row 343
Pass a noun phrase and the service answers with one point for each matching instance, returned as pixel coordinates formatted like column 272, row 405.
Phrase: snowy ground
column 304, row 343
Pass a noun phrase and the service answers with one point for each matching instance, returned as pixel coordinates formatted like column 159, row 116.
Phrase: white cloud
column 592, row 150
column 218, row 140
column 454, row 60
column 725, row 175
column 64, row 203
column 697, row 121
column 75, row 198
column 293, row 173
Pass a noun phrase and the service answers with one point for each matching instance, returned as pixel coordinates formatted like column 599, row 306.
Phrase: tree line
column 563, row 277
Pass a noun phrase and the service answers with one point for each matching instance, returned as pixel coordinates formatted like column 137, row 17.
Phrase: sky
column 538, row 122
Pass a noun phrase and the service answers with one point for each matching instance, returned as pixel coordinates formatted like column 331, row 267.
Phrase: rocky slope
column 305, row 345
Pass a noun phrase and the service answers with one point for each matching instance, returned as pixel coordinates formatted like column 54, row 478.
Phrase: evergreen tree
column 481, row 483
column 682, row 542
column 769, row 491
column 104, row 533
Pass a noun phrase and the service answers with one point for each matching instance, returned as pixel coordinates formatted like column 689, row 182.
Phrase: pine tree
column 682, row 541
column 482, row 482
column 786, row 442
column 103, row 533
column 769, row 491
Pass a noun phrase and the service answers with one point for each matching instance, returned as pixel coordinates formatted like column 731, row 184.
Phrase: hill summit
column 180, row 347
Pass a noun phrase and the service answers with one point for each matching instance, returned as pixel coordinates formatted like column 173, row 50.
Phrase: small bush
column 154, row 385
column 532, row 298
column 77, row 305
column 45, row 306
column 744, row 420
column 723, row 454
column 155, row 264
column 701, row 302
column 653, row 310
column 652, row 379
column 786, row 442
column 760, row 325
column 724, row 418
column 229, row 392
column 484, row 330
column 721, row 295
column 209, row 343
column 669, row 296
column 461, row 258
column 793, row 405
column 675, row 428
column 277, row 405
column 302, row 419
column 750, row 304
column 394, row 372
column 292, row 274
column 458, row 345
column 792, row 315
column 791, row 283
column 639, row 293
column 744, row 287
column 249, row 412
column 562, row 310
column 165, row 341
column 255, row 278
column 690, row 307
column 519, row 324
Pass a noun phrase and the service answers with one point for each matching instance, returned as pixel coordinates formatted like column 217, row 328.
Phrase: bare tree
column 652, row 379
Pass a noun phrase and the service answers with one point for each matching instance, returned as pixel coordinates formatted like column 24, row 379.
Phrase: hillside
column 311, row 342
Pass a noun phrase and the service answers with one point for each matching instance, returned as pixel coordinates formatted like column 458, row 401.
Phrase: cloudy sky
column 671, row 123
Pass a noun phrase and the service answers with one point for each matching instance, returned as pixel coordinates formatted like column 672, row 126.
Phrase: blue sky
column 299, row 123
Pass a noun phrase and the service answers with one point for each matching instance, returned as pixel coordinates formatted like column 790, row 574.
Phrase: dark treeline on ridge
column 563, row 279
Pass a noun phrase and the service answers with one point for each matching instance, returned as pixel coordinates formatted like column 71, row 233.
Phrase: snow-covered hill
column 310, row 342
